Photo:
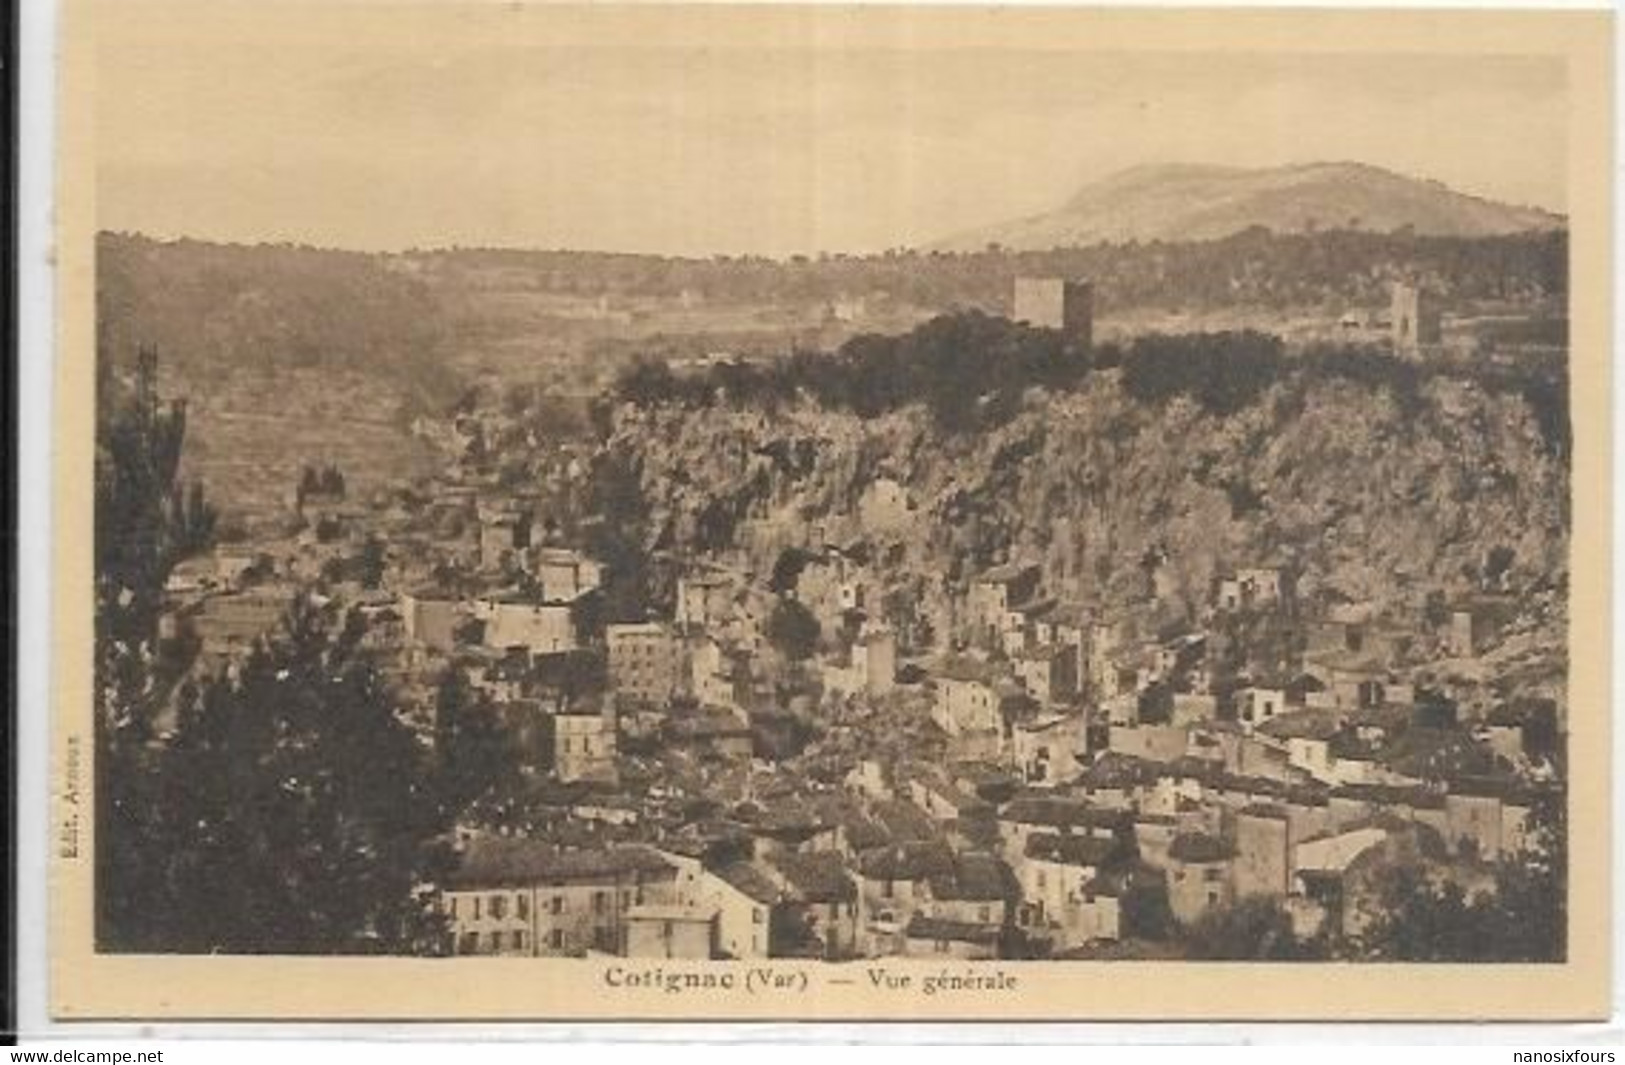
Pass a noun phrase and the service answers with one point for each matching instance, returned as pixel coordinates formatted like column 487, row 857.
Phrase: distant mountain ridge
column 1187, row 201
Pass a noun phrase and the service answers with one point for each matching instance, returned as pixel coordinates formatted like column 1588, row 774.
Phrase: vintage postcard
column 831, row 512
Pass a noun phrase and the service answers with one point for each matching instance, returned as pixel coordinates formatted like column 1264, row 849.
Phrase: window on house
column 476, row 907
column 452, row 906
column 886, row 890
column 599, row 902
column 499, row 907
column 558, row 903
column 470, row 944
column 984, row 914
column 1212, row 898
column 555, row 939
column 519, row 941
column 522, row 907
column 756, row 915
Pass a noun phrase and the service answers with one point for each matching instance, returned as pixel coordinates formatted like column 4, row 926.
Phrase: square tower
column 1056, row 303
column 1415, row 319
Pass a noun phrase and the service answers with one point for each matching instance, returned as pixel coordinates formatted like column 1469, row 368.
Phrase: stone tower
column 1056, row 303
column 1415, row 319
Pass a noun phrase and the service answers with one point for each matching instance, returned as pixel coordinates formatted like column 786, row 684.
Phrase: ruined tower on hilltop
column 1056, row 303
column 1415, row 319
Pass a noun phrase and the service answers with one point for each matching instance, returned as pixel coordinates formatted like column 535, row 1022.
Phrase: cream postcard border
column 87, row 986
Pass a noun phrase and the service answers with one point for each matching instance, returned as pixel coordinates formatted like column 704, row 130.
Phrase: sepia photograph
column 863, row 511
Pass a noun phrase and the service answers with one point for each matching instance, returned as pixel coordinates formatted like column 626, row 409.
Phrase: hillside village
column 787, row 712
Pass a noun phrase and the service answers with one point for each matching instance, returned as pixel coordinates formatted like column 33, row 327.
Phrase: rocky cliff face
column 1365, row 496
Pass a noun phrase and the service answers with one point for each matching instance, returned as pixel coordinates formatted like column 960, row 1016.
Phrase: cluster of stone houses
column 1064, row 785
column 1000, row 789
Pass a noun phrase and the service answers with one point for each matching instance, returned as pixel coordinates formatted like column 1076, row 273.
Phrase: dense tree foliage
column 618, row 536
column 476, row 757
column 1255, row 928
column 145, row 522
column 1224, row 372
column 1144, row 908
column 284, row 807
column 1421, row 922
column 787, row 569
column 968, row 369
column 294, row 812
column 793, row 630
column 1524, row 919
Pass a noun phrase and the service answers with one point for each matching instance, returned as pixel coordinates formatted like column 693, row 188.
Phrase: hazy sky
column 372, row 130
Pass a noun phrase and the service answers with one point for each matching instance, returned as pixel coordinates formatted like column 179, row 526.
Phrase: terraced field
column 249, row 435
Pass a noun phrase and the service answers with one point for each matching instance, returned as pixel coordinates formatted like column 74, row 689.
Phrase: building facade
column 584, row 746
column 645, row 661
column 521, row 897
